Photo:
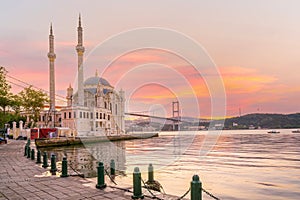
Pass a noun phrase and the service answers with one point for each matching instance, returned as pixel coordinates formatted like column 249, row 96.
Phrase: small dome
column 95, row 80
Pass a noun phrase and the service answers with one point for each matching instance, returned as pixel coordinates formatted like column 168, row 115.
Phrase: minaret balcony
column 51, row 55
column 79, row 48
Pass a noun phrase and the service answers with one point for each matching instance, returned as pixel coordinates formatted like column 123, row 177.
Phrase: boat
column 66, row 141
column 296, row 131
column 273, row 131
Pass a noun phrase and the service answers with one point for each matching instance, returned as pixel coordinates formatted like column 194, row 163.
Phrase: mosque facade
column 95, row 109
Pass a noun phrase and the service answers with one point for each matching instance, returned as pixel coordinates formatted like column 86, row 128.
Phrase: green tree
column 5, row 94
column 33, row 102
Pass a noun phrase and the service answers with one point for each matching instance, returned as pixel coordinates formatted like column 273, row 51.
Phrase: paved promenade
column 21, row 178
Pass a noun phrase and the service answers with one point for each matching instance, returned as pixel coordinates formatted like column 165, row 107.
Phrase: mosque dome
column 95, row 80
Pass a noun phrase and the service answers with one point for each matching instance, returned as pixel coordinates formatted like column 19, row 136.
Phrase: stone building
column 95, row 109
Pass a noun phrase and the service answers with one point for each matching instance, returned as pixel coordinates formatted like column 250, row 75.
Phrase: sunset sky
column 254, row 44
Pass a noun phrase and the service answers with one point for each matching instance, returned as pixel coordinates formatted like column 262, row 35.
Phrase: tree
column 33, row 102
column 5, row 94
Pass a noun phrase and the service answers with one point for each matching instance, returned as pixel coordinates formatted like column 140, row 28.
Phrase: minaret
column 51, row 56
column 80, row 51
column 69, row 95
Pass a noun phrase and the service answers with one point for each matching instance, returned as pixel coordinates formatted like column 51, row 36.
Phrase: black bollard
column 196, row 188
column 53, row 164
column 25, row 150
column 64, row 166
column 100, row 176
column 150, row 173
column 112, row 167
column 45, row 160
column 32, row 154
column 137, row 184
column 38, row 157
column 28, row 152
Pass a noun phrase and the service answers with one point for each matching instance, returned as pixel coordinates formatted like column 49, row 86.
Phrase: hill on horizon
column 264, row 120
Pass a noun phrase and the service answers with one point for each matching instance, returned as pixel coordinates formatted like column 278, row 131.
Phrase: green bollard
column 38, row 157
column 137, row 185
column 45, row 160
column 64, row 166
column 112, row 167
column 100, row 179
column 28, row 142
column 25, row 150
column 28, row 152
column 150, row 173
column 32, row 154
column 53, row 164
column 196, row 188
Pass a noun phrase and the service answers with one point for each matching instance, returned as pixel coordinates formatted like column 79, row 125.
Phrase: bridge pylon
column 176, row 115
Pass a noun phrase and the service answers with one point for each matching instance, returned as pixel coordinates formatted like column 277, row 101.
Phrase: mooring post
column 28, row 142
column 137, row 185
column 45, row 160
column 25, row 150
column 64, row 166
column 32, row 154
column 28, row 152
column 196, row 188
column 100, row 176
column 38, row 157
column 112, row 167
column 150, row 173
column 53, row 164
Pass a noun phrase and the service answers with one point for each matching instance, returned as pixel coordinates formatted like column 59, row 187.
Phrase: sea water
column 232, row 164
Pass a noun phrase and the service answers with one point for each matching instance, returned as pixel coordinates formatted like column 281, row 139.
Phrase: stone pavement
column 21, row 178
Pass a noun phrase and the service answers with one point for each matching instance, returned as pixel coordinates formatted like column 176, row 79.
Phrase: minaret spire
column 79, row 22
column 80, row 51
column 51, row 32
column 51, row 56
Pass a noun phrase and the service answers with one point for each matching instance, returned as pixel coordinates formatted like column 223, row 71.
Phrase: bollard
column 150, row 173
column 32, row 154
column 53, row 164
column 45, row 160
column 28, row 152
column 196, row 188
column 64, row 166
column 100, row 176
column 28, row 142
column 25, row 150
column 112, row 167
column 137, row 185
column 38, row 157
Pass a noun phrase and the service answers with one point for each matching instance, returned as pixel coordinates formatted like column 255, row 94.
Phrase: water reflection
column 242, row 165
column 84, row 158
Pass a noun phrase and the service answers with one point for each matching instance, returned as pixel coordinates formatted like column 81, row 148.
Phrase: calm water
column 243, row 164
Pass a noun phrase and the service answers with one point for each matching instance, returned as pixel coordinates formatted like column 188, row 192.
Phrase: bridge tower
column 176, row 115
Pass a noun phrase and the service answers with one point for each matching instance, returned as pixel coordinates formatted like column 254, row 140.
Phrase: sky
column 253, row 45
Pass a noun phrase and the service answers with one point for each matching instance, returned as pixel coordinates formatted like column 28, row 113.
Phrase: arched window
column 105, row 105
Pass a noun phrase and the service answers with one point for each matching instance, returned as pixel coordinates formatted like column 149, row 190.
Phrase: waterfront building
column 95, row 109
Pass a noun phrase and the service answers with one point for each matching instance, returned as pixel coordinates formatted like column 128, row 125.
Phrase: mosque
column 95, row 109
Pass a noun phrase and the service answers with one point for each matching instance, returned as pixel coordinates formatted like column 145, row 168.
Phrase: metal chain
column 184, row 194
column 112, row 180
column 153, row 195
column 210, row 194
